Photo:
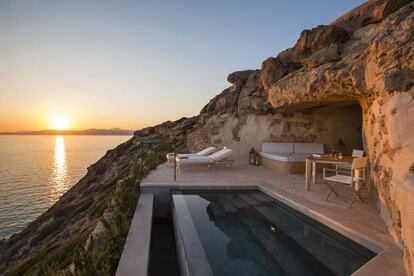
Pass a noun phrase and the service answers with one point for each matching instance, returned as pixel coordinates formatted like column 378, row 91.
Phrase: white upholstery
column 357, row 172
column 196, row 159
column 357, row 153
column 170, row 156
column 277, row 147
column 284, row 157
column 308, row 148
column 298, row 157
column 290, row 152
column 340, row 178
column 345, row 179
column 204, row 152
column 355, row 180
column 221, row 154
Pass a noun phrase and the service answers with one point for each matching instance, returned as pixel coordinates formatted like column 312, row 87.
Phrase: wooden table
column 311, row 162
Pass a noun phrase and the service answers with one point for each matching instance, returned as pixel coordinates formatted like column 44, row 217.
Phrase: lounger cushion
column 308, row 148
column 206, row 151
column 196, row 160
column 277, row 156
column 170, row 156
column 221, row 154
column 277, row 147
column 298, row 157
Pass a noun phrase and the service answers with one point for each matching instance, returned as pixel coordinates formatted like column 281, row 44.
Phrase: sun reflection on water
column 60, row 168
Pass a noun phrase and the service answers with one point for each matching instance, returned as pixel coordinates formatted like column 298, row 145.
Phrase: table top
column 327, row 158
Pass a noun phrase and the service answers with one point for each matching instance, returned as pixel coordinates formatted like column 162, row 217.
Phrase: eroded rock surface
column 366, row 56
column 76, row 216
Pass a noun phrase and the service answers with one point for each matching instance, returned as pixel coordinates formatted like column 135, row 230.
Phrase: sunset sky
column 131, row 64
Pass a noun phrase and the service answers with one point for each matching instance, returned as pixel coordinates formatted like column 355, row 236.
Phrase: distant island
column 91, row 131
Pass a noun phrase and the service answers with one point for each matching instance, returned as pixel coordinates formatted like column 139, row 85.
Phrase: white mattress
column 206, row 151
column 196, row 160
column 170, row 156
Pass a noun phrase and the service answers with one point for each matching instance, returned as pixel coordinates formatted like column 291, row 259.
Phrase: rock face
column 372, row 11
column 69, row 223
column 348, row 85
column 365, row 57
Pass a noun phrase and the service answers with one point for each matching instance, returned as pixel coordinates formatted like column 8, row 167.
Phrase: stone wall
column 390, row 141
column 337, row 126
column 367, row 56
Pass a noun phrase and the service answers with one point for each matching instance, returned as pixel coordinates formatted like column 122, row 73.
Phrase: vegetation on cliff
column 84, row 232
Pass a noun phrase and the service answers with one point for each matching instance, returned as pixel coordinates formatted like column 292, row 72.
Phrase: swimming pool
column 250, row 233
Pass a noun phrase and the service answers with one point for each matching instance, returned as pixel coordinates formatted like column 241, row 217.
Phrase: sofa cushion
column 308, row 148
column 298, row 157
column 277, row 147
column 277, row 156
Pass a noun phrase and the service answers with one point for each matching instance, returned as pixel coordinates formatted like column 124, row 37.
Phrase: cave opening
column 341, row 126
column 336, row 123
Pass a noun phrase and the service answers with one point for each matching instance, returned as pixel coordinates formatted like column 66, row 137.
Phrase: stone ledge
column 389, row 257
column 192, row 258
column 136, row 253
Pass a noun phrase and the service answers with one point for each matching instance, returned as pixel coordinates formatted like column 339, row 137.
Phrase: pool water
column 250, row 233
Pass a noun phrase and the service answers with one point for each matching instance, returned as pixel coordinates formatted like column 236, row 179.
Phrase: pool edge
column 190, row 245
column 381, row 263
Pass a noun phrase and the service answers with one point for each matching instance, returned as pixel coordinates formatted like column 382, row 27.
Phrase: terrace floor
column 361, row 223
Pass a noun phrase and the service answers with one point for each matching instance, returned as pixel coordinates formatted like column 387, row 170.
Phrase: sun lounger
column 204, row 152
column 219, row 158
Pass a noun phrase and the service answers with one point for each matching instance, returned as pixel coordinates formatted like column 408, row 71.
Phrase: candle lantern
column 258, row 160
column 252, row 157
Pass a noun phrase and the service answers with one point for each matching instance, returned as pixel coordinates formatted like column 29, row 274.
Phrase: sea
column 35, row 171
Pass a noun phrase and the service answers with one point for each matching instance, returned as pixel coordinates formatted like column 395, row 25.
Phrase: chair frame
column 360, row 180
column 356, row 154
column 171, row 160
column 226, row 162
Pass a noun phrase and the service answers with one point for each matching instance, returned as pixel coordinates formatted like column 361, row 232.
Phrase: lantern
column 258, row 160
column 252, row 157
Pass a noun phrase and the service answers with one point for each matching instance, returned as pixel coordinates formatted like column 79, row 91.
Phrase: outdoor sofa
column 288, row 157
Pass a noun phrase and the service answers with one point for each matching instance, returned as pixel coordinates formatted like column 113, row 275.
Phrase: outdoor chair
column 217, row 159
column 204, row 152
column 345, row 166
column 354, row 179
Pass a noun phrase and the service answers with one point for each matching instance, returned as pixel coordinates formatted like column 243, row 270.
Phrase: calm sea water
column 36, row 170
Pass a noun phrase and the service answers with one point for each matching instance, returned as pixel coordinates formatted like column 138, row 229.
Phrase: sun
column 59, row 122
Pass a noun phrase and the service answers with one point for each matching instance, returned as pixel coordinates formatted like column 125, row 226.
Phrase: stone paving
column 361, row 223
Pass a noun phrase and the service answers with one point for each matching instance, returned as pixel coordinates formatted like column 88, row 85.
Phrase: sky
column 131, row 64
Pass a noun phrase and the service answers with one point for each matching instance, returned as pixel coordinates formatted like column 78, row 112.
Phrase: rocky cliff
column 83, row 233
column 348, row 85
column 364, row 59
